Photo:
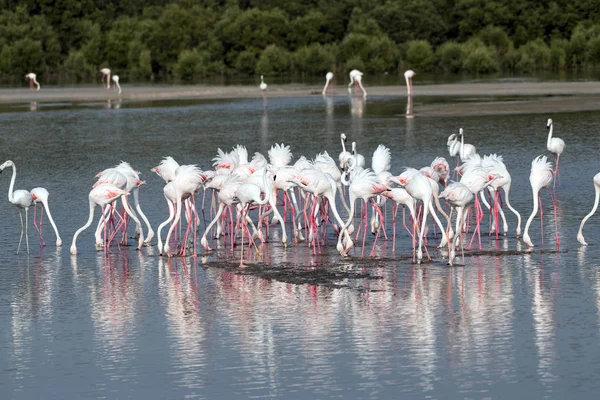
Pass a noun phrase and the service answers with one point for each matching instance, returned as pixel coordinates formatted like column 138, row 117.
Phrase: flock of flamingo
column 305, row 194
column 105, row 80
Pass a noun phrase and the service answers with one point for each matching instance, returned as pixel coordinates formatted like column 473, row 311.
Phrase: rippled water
column 135, row 325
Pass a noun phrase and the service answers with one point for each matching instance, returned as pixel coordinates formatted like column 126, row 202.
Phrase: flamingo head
column 549, row 124
column 8, row 163
column 33, row 196
column 460, row 131
column 343, row 136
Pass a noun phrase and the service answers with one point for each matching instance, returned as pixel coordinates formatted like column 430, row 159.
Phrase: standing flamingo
column 40, row 195
column 187, row 181
column 32, row 79
column 459, row 196
column 356, row 78
column 249, row 193
column 580, row 238
column 554, row 145
column 364, row 186
column 115, row 79
column 408, row 75
column 21, row 199
column 540, row 177
column 101, row 195
column 105, row 77
column 328, row 78
column 466, row 150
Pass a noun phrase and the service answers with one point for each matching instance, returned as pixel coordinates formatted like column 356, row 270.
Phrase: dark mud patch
column 333, row 276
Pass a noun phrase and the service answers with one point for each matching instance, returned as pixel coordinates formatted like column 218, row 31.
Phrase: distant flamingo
column 21, row 199
column 356, row 78
column 32, row 79
column 408, row 75
column 580, row 238
column 101, row 195
column 328, row 78
column 263, row 86
column 105, row 77
column 115, row 79
column 540, row 177
column 40, row 195
column 554, row 145
column 345, row 155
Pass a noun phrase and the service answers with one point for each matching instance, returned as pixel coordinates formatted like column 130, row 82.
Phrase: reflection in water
column 178, row 288
column 357, row 106
column 409, row 107
column 543, row 310
column 264, row 130
column 114, row 302
column 329, row 124
column 33, row 106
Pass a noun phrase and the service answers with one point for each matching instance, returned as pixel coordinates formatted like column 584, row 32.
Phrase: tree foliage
column 191, row 39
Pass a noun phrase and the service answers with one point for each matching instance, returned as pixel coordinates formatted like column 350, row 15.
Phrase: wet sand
column 473, row 98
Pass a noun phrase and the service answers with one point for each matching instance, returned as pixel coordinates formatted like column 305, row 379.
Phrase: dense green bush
column 164, row 38
column 315, row 59
column 450, row 57
column 479, row 58
column 273, row 61
column 419, row 55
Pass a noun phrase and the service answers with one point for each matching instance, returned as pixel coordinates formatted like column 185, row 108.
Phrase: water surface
column 507, row 323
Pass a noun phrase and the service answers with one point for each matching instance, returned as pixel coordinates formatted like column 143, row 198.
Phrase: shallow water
column 510, row 322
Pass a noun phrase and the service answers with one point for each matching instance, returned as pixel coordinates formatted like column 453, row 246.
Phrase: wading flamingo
column 102, row 195
column 32, row 79
column 115, row 79
column 580, row 238
column 40, row 195
column 328, row 78
column 356, row 78
column 554, row 145
column 408, row 75
column 105, row 77
column 540, row 177
column 22, row 199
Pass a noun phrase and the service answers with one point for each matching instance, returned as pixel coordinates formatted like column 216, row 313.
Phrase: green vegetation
column 191, row 39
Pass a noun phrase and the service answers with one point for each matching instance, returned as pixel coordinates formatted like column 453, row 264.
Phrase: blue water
column 507, row 323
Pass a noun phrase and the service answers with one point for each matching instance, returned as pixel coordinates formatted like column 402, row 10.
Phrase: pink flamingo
column 408, row 75
column 580, row 238
column 101, row 195
column 540, row 177
column 356, row 78
column 105, row 77
column 22, row 199
column 32, row 79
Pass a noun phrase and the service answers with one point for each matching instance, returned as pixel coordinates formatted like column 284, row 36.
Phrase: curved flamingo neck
column 84, row 227
column 11, row 196
column 550, row 134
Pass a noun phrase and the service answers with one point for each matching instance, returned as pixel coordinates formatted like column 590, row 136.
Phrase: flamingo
column 32, row 79
column 408, row 75
column 187, row 181
column 115, row 79
column 328, row 78
column 441, row 166
column 554, row 145
column 364, row 186
column 356, row 78
column 459, row 196
column 263, row 85
column 580, row 238
column 494, row 164
column 225, row 196
column 101, row 195
column 106, row 76
column 22, row 199
column 540, row 177
column 40, row 195
column 419, row 187
column 466, row 150
column 248, row 193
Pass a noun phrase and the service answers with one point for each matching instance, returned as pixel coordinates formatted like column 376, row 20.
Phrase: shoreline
column 213, row 92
